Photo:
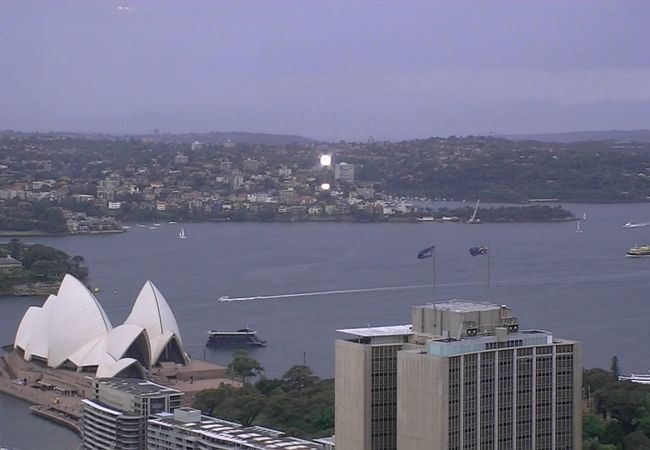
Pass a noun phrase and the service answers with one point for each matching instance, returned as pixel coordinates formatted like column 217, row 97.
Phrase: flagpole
column 488, row 270
column 434, row 272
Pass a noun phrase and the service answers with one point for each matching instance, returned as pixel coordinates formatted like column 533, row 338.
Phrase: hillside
column 583, row 136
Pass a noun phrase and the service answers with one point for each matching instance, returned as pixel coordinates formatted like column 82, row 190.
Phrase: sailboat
column 578, row 229
column 182, row 234
column 475, row 219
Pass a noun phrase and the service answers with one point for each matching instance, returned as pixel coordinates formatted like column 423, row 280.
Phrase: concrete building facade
column 344, row 172
column 461, row 376
column 117, row 414
column 187, row 429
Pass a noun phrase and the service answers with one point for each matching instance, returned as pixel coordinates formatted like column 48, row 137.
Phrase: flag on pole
column 481, row 250
column 426, row 253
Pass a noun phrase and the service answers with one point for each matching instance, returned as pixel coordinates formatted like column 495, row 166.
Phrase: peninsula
column 35, row 269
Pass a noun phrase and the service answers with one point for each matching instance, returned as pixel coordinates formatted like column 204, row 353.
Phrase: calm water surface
column 579, row 286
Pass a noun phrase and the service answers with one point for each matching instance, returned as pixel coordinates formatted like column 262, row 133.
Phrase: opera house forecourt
column 72, row 331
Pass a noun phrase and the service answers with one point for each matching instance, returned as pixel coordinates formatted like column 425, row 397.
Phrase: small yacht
column 578, row 229
column 638, row 251
column 182, row 234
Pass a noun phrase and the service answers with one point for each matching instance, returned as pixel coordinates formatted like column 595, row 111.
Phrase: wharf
column 56, row 394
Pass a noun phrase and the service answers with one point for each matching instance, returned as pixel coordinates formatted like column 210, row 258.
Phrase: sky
column 331, row 69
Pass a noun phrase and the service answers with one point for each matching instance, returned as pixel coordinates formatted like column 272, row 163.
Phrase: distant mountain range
column 580, row 136
column 218, row 137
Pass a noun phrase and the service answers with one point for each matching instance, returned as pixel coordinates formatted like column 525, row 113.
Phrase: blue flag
column 475, row 251
column 426, row 253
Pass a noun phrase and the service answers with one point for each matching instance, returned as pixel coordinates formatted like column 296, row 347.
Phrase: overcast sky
column 330, row 69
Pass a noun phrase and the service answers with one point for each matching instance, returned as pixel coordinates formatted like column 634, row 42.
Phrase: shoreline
column 40, row 409
column 31, row 290
column 36, row 233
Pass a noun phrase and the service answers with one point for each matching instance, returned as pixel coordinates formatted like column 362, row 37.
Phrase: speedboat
column 636, row 225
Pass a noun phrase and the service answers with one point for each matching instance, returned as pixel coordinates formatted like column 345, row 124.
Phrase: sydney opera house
column 72, row 331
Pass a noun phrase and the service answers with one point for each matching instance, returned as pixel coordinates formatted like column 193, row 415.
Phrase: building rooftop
column 137, row 387
column 235, row 434
column 451, row 347
column 391, row 330
column 461, row 306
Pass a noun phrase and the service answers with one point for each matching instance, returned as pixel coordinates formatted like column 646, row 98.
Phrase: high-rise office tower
column 461, row 376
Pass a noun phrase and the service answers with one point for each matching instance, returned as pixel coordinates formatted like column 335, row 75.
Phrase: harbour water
column 580, row 286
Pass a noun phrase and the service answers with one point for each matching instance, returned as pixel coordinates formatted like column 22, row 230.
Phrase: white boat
column 578, row 229
column 224, row 298
column 182, row 234
column 641, row 378
column 584, row 216
column 425, row 219
column 636, row 225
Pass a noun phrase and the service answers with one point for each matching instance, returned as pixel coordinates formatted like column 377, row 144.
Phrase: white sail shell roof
column 38, row 330
column 76, row 319
column 72, row 326
column 27, row 326
column 152, row 312
column 111, row 370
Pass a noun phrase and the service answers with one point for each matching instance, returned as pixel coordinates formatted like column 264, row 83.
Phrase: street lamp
column 325, row 160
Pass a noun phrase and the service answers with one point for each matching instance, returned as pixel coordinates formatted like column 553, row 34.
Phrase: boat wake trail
column 313, row 294
column 336, row 292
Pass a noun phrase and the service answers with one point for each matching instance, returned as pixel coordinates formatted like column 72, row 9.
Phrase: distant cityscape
column 66, row 183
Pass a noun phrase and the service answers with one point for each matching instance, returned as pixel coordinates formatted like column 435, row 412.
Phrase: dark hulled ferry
column 245, row 336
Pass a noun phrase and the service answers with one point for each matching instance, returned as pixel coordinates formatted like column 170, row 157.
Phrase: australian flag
column 475, row 251
column 426, row 253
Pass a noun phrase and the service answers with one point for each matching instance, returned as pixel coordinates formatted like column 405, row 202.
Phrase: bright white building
column 71, row 330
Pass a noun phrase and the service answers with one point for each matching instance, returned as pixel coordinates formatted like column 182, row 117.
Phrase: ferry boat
column 639, row 251
column 245, row 336
column 641, row 378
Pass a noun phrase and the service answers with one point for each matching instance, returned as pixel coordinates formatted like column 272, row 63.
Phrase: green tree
column 207, row 399
column 298, row 377
column 243, row 366
column 615, row 370
column 636, row 441
column 593, row 428
column 15, row 248
column 642, row 419
column 243, row 406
